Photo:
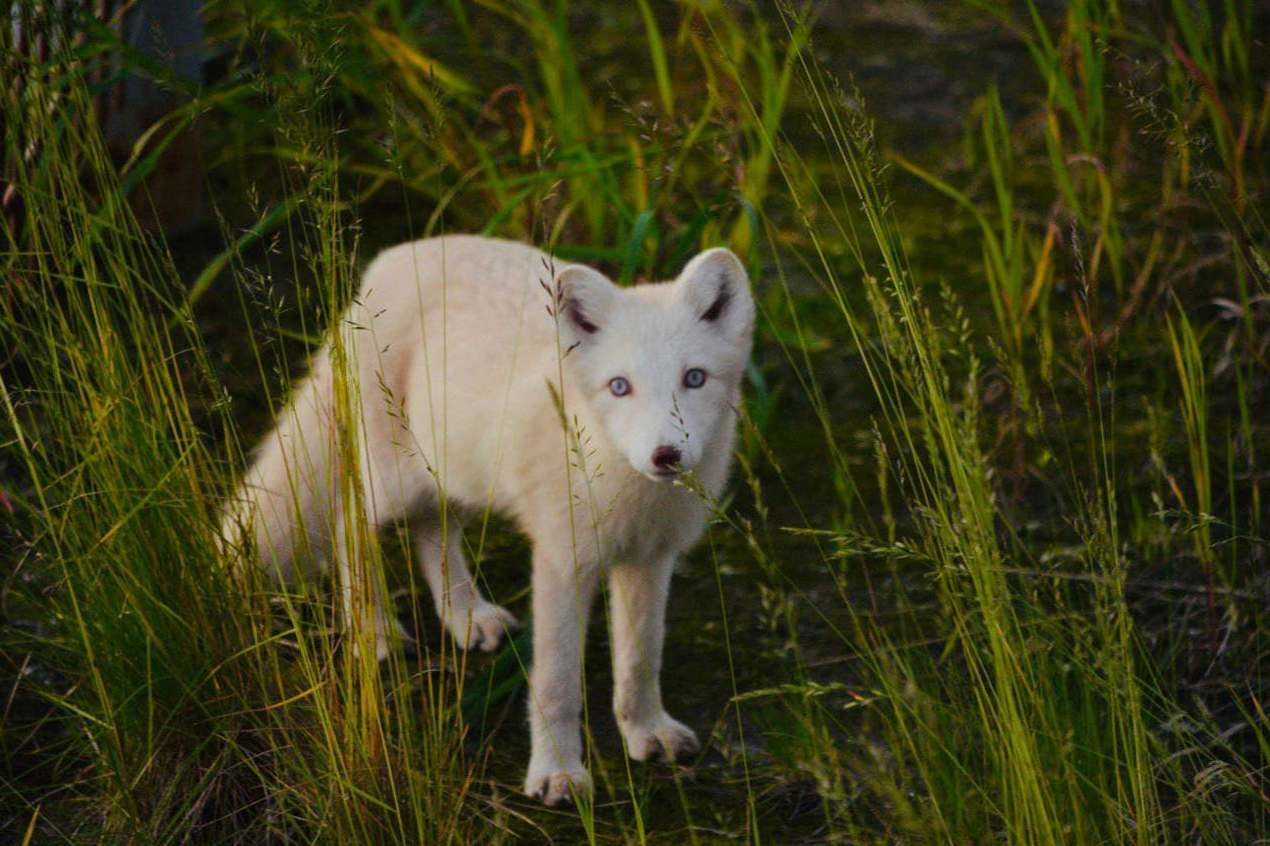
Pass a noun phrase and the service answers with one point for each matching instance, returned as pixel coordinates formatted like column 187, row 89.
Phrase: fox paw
column 661, row 737
column 387, row 630
column 557, row 786
column 481, row 627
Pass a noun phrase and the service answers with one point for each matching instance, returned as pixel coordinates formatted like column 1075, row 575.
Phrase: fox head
column 659, row 366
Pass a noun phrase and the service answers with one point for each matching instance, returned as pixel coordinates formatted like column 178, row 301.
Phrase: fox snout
column 666, row 460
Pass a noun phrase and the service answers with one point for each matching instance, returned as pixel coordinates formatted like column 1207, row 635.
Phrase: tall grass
column 1003, row 694
column 196, row 711
column 118, row 521
column 933, row 615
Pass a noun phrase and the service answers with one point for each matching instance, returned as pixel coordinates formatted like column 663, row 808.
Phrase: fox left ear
column 716, row 287
column 585, row 298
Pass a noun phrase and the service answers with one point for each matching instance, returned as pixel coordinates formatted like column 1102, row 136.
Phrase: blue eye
column 619, row 386
column 694, row 378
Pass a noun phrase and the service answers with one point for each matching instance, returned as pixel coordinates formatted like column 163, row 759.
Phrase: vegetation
column 994, row 565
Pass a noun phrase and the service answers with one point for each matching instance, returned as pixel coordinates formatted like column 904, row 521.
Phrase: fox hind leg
column 365, row 610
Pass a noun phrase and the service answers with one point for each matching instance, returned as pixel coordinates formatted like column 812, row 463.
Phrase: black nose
column 665, row 457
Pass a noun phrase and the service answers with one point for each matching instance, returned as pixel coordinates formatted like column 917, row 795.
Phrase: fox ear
column 716, row 287
column 584, row 298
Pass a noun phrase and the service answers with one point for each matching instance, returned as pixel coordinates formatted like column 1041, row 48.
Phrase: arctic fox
column 572, row 419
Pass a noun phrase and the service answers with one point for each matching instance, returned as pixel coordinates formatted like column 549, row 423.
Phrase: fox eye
column 619, row 386
column 694, row 377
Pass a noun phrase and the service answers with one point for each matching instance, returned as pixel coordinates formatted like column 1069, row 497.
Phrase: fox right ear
column 583, row 297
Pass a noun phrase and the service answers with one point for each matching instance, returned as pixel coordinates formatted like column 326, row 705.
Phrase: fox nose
column 666, row 457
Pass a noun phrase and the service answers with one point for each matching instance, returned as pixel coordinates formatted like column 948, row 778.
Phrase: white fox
column 573, row 420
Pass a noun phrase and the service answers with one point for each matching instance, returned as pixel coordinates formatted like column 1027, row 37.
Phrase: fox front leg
column 637, row 610
column 472, row 620
column 562, row 595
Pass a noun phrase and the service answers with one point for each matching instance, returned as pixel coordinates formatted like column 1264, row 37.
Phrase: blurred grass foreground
column 994, row 563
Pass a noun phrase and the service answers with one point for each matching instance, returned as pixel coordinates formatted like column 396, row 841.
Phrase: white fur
column 455, row 350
